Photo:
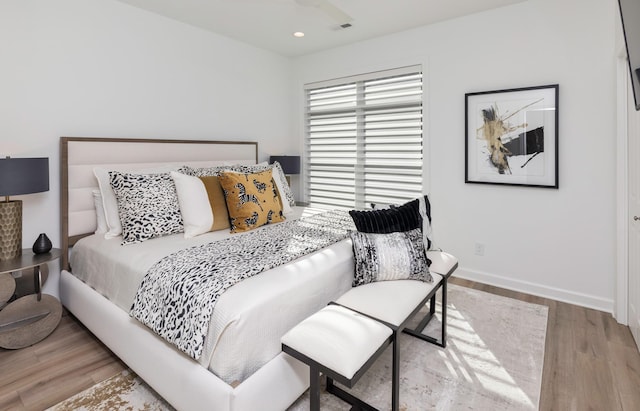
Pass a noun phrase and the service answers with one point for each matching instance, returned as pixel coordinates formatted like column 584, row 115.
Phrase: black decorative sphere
column 42, row 245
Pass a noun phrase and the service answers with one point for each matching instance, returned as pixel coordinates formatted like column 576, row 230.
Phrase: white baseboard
column 571, row 297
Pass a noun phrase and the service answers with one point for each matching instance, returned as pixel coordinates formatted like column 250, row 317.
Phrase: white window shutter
column 363, row 139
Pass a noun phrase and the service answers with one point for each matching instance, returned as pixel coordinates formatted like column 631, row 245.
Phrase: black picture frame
column 511, row 137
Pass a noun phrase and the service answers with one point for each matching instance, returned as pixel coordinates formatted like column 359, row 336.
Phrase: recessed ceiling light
column 298, row 34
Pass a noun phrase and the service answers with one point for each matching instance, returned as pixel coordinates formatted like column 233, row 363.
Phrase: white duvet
column 250, row 317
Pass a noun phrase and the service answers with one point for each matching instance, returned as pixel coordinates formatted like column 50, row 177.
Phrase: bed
column 244, row 368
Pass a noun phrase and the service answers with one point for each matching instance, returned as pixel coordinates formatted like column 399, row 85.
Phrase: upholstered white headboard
column 80, row 155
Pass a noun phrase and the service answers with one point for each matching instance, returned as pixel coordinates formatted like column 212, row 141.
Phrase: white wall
column 557, row 243
column 105, row 69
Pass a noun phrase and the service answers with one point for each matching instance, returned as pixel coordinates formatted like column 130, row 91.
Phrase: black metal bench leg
column 417, row 331
column 395, row 374
column 444, row 313
column 356, row 403
column 314, row 389
column 432, row 305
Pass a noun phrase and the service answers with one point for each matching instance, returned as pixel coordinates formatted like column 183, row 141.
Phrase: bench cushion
column 389, row 301
column 337, row 338
column 442, row 263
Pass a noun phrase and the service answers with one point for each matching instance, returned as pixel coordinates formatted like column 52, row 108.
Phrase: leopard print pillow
column 277, row 168
column 252, row 200
column 147, row 205
column 203, row 171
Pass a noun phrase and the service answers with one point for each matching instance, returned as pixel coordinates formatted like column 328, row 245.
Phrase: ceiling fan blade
column 332, row 11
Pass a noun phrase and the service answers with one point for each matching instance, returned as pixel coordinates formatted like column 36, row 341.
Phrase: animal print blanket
column 178, row 293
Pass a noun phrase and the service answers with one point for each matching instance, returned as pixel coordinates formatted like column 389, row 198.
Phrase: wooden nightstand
column 31, row 318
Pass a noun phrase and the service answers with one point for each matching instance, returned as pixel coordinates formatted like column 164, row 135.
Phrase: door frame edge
column 621, row 298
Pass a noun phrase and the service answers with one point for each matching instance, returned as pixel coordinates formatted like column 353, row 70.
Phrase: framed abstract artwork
column 511, row 137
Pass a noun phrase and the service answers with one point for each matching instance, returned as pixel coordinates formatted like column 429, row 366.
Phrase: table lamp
column 290, row 165
column 18, row 176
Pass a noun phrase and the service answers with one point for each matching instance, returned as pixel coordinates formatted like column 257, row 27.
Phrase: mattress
column 250, row 317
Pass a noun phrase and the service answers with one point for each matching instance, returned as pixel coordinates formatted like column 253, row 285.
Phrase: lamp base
column 10, row 229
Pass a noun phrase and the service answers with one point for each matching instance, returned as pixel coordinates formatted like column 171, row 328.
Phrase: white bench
column 391, row 303
column 338, row 343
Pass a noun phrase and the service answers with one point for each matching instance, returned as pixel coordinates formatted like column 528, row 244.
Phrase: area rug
column 124, row 391
column 493, row 361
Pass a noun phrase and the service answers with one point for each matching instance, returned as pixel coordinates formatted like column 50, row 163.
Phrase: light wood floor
column 590, row 363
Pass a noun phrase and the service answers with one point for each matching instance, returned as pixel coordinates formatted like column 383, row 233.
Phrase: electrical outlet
column 479, row 249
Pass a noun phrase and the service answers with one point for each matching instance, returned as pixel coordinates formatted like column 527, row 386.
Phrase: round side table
column 31, row 318
column 7, row 288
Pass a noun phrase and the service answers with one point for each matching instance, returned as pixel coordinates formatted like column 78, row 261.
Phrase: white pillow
column 109, row 201
column 100, row 219
column 195, row 208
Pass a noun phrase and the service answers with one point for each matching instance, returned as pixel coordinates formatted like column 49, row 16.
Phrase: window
column 363, row 139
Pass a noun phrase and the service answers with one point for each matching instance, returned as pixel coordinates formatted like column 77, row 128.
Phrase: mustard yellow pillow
column 217, row 202
column 202, row 204
column 252, row 200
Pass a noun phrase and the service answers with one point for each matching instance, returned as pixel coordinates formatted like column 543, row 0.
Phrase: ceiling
column 270, row 24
